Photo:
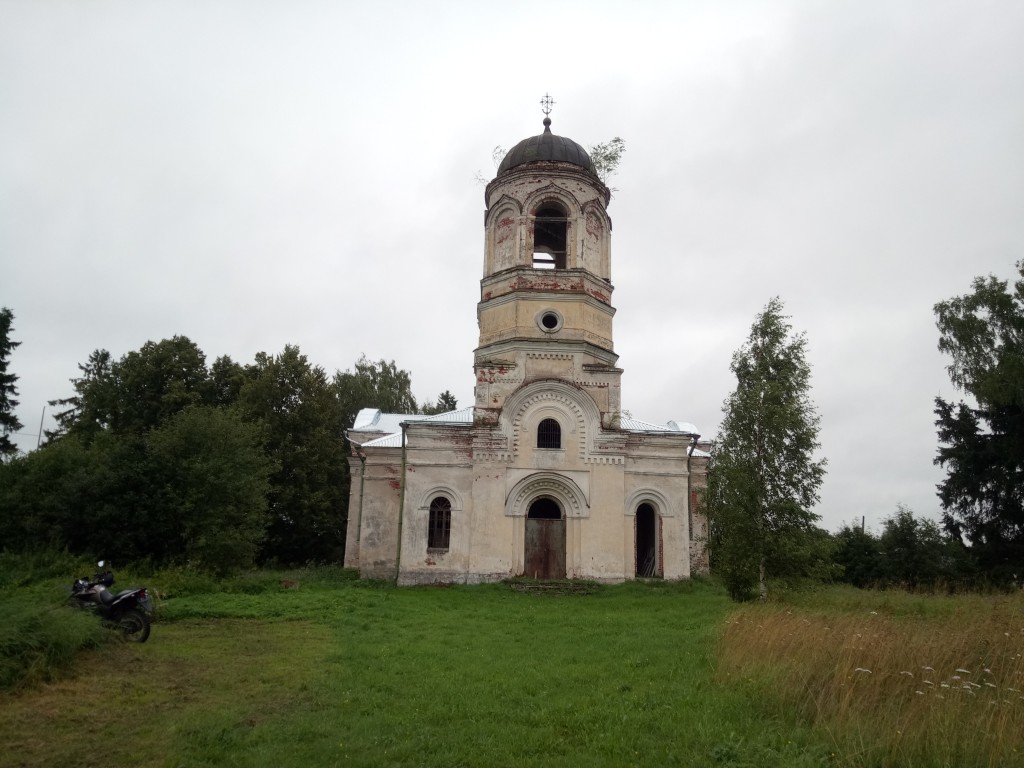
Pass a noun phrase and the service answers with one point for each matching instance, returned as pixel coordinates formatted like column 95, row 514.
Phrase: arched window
column 550, row 227
column 439, row 528
column 549, row 434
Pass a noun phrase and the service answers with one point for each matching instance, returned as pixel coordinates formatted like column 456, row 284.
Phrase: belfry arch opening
column 550, row 234
column 647, row 556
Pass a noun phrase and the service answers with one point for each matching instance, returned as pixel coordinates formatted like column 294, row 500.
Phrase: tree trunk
column 763, row 581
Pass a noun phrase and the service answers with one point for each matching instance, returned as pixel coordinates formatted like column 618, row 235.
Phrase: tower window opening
column 550, row 228
column 549, row 434
column 439, row 527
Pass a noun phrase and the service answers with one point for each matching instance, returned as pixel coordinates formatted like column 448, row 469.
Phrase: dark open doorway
column 545, row 541
column 646, row 542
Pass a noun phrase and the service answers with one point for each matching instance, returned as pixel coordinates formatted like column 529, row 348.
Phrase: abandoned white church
column 544, row 476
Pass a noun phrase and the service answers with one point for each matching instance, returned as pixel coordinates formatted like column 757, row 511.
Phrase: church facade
column 544, row 476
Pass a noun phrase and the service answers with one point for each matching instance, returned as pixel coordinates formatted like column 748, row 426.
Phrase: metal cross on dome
column 545, row 104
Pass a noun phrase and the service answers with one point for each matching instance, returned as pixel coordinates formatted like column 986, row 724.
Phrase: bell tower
column 545, row 308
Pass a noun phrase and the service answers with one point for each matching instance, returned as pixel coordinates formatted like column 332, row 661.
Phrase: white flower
column 907, row 673
column 965, row 671
column 861, row 669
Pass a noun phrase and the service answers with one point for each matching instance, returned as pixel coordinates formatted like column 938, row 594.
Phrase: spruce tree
column 8, row 390
column 981, row 441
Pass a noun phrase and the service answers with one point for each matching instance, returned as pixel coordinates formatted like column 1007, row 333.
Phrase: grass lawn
column 315, row 669
column 343, row 673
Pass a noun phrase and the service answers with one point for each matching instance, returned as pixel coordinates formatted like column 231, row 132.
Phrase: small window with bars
column 439, row 531
column 549, row 434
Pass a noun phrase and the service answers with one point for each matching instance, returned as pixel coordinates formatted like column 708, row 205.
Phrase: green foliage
column 911, row 552
column 606, row 157
column 912, row 549
column 8, row 387
column 858, row 554
column 378, row 384
column 213, row 476
column 445, row 402
column 158, row 381
column 981, row 447
column 90, row 411
column 39, row 642
column 175, row 458
column 762, row 477
column 299, row 411
column 194, row 488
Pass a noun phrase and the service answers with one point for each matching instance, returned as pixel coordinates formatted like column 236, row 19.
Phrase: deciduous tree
column 299, row 412
column 380, row 384
column 763, row 477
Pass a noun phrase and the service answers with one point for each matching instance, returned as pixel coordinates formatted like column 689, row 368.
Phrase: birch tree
column 763, row 478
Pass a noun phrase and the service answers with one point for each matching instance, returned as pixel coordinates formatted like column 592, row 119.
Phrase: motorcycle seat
column 107, row 597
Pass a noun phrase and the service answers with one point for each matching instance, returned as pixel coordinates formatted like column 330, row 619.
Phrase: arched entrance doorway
column 646, row 542
column 544, row 553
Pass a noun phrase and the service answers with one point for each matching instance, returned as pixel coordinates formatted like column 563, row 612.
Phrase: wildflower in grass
column 990, row 685
column 928, row 669
column 861, row 669
column 919, row 693
column 987, row 671
column 874, row 613
column 911, row 674
column 944, row 685
column 928, row 682
column 965, row 671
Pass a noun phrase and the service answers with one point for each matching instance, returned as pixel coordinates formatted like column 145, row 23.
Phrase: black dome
column 548, row 147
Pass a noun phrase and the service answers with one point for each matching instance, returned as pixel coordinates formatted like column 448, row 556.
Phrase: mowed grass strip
column 366, row 675
column 135, row 704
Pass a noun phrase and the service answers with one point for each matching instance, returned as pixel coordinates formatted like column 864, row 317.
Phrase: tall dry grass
column 943, row 688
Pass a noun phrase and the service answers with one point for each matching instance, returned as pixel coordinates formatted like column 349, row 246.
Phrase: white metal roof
column 635, row 425
column 372, row 419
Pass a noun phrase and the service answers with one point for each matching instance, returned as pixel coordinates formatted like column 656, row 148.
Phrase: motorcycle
column 128, row 611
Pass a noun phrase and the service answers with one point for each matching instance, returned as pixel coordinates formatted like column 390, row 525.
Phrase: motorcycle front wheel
column 134, row 626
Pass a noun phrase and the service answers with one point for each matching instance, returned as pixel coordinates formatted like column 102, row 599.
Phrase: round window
column 549, row 321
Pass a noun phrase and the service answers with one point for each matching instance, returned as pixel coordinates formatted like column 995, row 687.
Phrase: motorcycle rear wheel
column 134, row 626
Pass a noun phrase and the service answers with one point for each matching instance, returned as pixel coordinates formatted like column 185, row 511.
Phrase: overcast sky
column 254, row 174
